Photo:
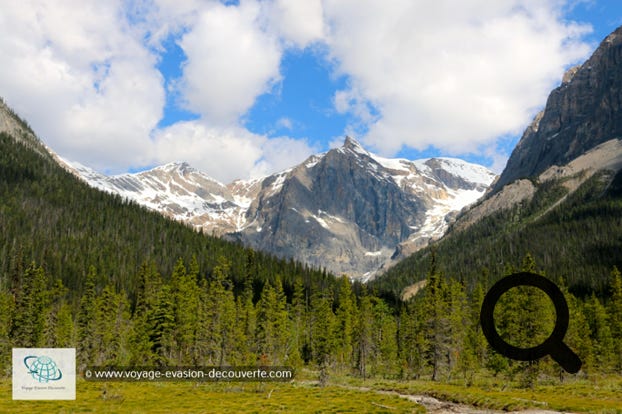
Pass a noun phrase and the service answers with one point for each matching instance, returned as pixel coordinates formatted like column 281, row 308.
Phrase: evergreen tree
column 58, row 331
column 412, row 344
column 147, row 298
column 525, row 317
column 185, row 293
column 6, row 317
column 437, row 329
column 30, row 305
column 384, row 340
column 615, row 317
column 459, row 326
column 272, row 324
column 86, row 321
column 364, row 334
column 323, row 333
column 602, row 339
column 162, row 324
column 218, row 312
column 112, row 328
column 298, row 323
column 346, row 313
column 474, row 352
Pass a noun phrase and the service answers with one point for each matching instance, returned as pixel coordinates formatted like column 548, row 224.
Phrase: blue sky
column 242, row 89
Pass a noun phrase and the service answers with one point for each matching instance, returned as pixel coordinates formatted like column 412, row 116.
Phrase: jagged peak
column 353, row 145
column 181, row 166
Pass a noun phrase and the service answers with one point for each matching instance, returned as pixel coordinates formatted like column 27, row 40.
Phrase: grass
column 186, row 397
column 596, row 395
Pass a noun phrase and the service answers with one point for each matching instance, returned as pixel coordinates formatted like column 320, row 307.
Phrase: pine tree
column 58, row 331
column 412, row 344
column 615, row 317
column 525, row 317
column 218, row 315
column 364, row 334
column 147, row 298
column 437, row 327
column 298, row 323
column 459, row 325
column 602, row 340
column 185, row 293
column 346, row 312
column 30, row 305
column 162, row 324
column 474, row 351
column 6, row 317
column 384, row 339
column 579, row 337
column 323, row 334
column 86, row 321
column 112, row 328
column 272, row 324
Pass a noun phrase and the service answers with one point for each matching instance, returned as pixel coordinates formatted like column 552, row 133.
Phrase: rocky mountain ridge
column 346, row 210
column 583, row 112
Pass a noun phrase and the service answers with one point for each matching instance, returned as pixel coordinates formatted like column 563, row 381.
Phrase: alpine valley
column 346, row 210
column 559, row 199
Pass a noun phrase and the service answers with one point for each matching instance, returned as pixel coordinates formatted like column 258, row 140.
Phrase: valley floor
column 344, row 394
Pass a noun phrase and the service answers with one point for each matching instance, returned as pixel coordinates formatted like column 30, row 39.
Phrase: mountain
column 180, row 192
column 349, row 210
column 583, row 112
column 346, row 210
column 50, row 217
column 559, row 198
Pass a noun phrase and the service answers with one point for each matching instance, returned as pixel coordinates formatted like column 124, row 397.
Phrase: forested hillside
column 49, row 216
column 80, row 268
column 578, row 240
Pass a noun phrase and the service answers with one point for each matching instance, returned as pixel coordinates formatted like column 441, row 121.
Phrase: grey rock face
column 583, row 112
column 348, row 210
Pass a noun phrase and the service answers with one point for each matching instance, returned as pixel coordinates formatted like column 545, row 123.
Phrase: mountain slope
column 346, row 210
column 49, row 216
column 583, row 112
column 559, row 198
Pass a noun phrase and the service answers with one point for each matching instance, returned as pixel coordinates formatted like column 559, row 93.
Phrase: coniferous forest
column 80, row 268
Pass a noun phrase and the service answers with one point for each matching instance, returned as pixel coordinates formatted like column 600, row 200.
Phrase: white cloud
column 225, row 152
column 231, row 61
column 455, row 75
column 81, row 77
column 285, row 123
column 446, row 73
column 299, row 23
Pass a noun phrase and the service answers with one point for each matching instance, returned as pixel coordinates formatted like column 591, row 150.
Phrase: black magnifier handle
column 565, row 357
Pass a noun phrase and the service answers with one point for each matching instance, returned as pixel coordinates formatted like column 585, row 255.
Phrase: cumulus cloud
column 231, row 61
column 455, row 75
column 297, row 23
column 223, row 152
column 81, row 77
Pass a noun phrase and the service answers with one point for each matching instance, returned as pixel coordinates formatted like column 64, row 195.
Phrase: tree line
column 207, row 319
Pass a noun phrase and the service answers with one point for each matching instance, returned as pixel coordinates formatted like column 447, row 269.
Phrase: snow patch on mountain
column 337, row 236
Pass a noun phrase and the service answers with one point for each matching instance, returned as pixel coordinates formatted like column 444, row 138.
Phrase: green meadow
column 186, row 397
column 595, row 395
column 342, row 395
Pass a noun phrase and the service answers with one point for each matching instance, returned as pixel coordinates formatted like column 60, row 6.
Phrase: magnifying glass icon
column 553, row 345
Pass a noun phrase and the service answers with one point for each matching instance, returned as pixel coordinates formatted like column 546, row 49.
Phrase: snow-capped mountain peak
column 347, row 210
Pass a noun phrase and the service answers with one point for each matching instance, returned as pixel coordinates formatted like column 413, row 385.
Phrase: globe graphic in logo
column 42, row 368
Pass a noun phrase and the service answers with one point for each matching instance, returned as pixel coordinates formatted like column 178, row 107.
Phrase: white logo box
column 44, row 373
